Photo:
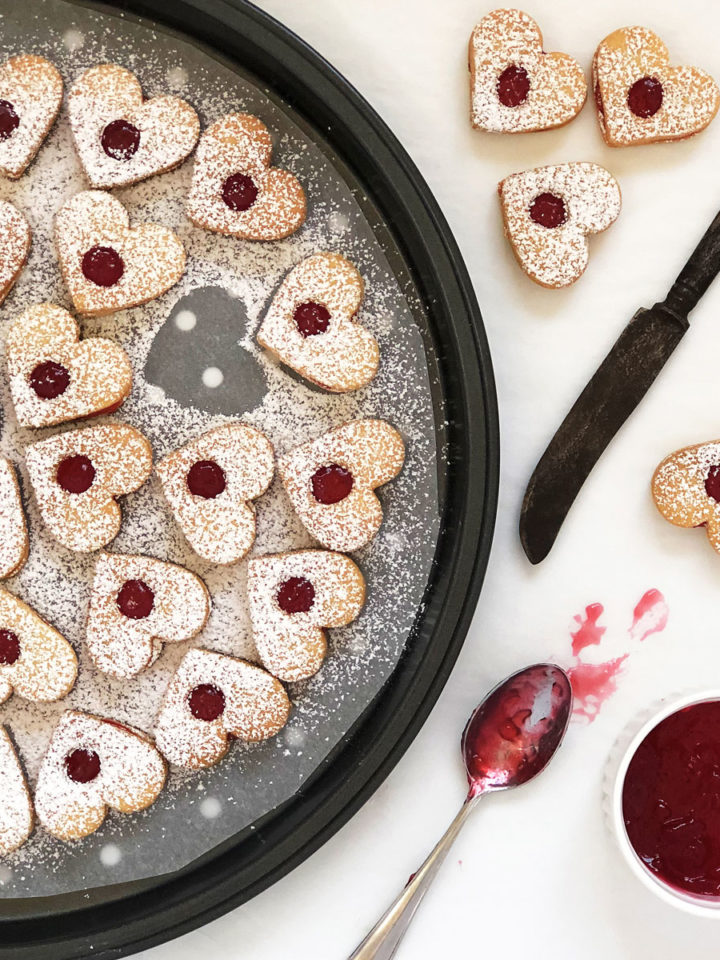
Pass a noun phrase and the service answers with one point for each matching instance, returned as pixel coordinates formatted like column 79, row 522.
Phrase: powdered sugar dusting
column 16, row 818
column 14, row 543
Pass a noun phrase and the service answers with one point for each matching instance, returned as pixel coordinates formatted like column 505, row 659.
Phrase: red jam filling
column 82, row 766
column 135, row 599
column 311, row 318
column 206, row 701
column 206, row 479
column 712, row 483
column 513, row 86
column 331, row 484
column 49, row 380
column 9, row 120
column 102, row 266
column 239, row 192
column 76, row 474
column 548, row 210
column 120, row 139
column 9, row 647
column 296, row 595
column 645, row 97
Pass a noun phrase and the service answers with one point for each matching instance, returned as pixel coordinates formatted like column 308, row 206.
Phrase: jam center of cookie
column 513, row 86
column 645, row 97
column 49, row 380
column 135, row 599
column 548, row 210
column 120, row 139
column 9, row 647
column 239, row 192
column 206, row 701
column 296, row 595
column 311, row 318
column 76, row 474
column 206, row 479
column 331, row 484
column 9, row 120
column 82, row 766
column 103, row 266
column 712, row 483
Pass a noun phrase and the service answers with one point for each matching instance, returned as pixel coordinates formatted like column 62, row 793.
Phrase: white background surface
column 534, row 873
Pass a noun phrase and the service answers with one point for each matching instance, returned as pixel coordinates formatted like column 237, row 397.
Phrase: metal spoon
column 509, row 739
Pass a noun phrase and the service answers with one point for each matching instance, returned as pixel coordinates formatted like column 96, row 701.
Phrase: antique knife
column 618, row 386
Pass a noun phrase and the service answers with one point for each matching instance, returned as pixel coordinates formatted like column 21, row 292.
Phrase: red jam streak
column 120, row 139
column 649, row 616
column 588, row 632
column 645, row 97
column 207, row 702
column 76, row 474
column 9, row 120
column 593, row 684
column 82, row 766
column 135, row 600
column 712, row 483
column 239, row 192
column 548, row 210
column 671, row 800
column 296, row 595
column 49, row 380
column 311, row 318
column 9, row 647
column 102, row 266
column 331, row 484
column 513, row 86
column 206, row 479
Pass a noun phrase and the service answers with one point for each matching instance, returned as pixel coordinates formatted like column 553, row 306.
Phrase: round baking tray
column 119, row 920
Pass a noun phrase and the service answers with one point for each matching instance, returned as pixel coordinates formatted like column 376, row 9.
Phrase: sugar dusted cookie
column 121, row 137
column 16, row 809
column 77, row 475
column 109, row 265
column 292, row 597
column 211, row 698
column 31, row 91
column 686, row 488
column 137, row 604
column 549, row 212
column 311, row 324
column 90, row 765
column 14, row 246
column 36, row 661
column 331, row 481
column 640, row 98
column 515, row 86
column 234, row 189
column 210, row 484
column 54, row 376
column 14, row 542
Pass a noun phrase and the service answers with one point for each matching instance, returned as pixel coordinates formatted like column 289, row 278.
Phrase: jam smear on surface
column 296, row 595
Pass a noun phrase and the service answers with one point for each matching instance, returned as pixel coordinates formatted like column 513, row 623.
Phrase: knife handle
column 698, row 273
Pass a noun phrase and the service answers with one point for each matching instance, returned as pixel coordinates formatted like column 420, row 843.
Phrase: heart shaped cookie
column 120, row 137
column 55, row 377
column 16, row 809
column 292, row 597
column 210, row 483
column 331, row 481
column 31, row 92
column 77, row 475
column 211, row 698
column 14, row 541
column 515, row 86
column 14, row 246
column 106, row 264
column 92, row 764
column 234, row 189
column 686, row 488
column 640, row 98
column 137, row 604
column 36, row 661
column 310, row 324
column 549, row 212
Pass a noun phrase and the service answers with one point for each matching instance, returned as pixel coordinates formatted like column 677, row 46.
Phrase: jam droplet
column 9, row 647
column 49, row 380
column 206, row 701
column 513, row 86
column 76, row 473
column 135, row 599
column 82, row 766
column 9, row 120
column 103, row 266
column 296, row 595
column 311, row 318
column 645, row 97
column 120, row 139
column 548, row 210
column 206, row 479
column 331, row 484
column 712, row 483
column 239, row 192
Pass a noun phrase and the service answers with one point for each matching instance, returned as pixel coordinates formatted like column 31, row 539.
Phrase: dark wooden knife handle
column 698, row 273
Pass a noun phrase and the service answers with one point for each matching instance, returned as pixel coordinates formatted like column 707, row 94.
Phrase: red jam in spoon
column 9, row 120
column 82, row 766
column 331, row 484
column 311, row 318
column 548, row 210
column 206, row 701
column 239, row 192
column 102, row 266
column 206, row 479
column 513, row 86
column 135, row 599
column 76, row 474
column 296, row 595
column 120, row 139
column 645, row 97
column 49, row 380
column 9, row 647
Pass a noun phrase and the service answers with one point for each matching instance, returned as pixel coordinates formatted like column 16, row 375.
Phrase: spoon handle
column 382, row 941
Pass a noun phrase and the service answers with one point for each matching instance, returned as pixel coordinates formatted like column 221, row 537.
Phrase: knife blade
column 615, row 390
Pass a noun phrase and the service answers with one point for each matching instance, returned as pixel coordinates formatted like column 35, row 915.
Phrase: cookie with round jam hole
column 16, row 814
column 31, row 92
column 14, row 541
column 15, row 240
column 686, row 488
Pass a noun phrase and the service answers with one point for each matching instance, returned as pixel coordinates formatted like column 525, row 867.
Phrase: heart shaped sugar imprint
column 14, row 246
column 686, row 488
column 55, row 377
column 292, row 597
column 515, row 87
column 77, row 475
column 137, row 604
column 310, row 324
column 121, row 137
column 16, row 809
column 14, row 542
column 36, row 661
column 31, row 92
column 106, row 264
column 549, row 212
column 331, row 481
column 210, row 483
column 213, row 697
column 234, row 189
column 92, row 764
column 640, row 98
